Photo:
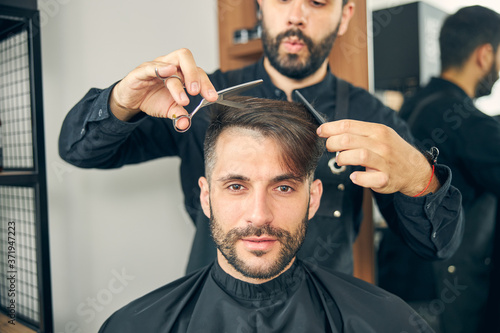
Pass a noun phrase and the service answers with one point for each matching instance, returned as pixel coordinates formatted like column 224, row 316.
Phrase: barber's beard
column 485, row 86
column 290, row 245
column 291, row 65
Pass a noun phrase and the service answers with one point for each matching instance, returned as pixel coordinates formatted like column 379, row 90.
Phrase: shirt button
column 100, row 112
column 341, row 187
column 487, row 261
column 82, row 131
column 452, row 269
column 337, row 213
column 434, row 235
column 277, row 92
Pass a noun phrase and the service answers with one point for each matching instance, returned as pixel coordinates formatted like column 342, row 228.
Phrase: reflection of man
column 259, row 194
column 443, row 114
column 123, row 124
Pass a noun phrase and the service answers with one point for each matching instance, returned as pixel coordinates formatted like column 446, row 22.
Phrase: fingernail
column 318, row 131
column 184, row 97
column 353, row 177
column 212, row 93
column 195, row 87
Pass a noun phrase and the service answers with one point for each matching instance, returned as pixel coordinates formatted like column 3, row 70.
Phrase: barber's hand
column 392, row 164
column 142, row 90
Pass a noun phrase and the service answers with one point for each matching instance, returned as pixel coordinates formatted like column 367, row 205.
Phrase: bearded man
column 259, row 193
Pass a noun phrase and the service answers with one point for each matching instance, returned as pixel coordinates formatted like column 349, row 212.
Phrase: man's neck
column 288, row 85
column 463, row 79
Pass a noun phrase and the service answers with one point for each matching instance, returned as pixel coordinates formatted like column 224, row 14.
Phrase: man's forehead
column 241, row 152
column 242, row 140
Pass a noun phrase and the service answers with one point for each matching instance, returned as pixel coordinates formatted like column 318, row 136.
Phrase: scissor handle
column 176, row 119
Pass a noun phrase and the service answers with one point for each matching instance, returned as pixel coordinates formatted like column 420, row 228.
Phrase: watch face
column 334, row 167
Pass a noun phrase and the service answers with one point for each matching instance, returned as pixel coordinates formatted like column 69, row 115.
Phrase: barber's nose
column 259, row 211
column 297, row 13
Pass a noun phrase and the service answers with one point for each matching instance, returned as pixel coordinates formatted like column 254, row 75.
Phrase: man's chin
column 258, row 253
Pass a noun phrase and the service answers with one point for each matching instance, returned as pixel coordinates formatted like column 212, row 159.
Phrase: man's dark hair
column 289, row 124
column 465, row 31
column 344, row 2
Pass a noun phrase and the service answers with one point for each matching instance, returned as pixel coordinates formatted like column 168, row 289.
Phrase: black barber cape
column 305, row 298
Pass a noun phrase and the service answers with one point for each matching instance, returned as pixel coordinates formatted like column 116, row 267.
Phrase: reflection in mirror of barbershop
column 459, row 294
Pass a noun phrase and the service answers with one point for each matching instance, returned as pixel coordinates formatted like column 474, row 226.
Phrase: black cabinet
column 406, row 46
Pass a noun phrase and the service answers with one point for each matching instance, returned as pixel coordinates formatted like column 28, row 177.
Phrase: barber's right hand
column 142, row 90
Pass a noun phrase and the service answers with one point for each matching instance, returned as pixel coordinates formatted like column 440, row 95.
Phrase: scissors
column 316, row 116
column 221, row 99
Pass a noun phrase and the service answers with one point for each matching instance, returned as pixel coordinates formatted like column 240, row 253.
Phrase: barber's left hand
column 392, row 164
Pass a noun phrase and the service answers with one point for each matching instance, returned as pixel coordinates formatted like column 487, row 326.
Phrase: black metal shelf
column 18, row 178
column 23, row 183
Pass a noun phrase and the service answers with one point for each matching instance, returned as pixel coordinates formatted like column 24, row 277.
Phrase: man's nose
column 259, row 211
column 297, row 13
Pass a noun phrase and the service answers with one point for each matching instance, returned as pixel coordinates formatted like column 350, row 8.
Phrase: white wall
column 128, row 222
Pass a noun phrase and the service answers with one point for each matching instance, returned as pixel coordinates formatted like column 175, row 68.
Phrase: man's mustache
column 238, row 233
column 295, row 33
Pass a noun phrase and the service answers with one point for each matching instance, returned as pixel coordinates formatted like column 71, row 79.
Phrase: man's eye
column 235, row 187
column 318, row 3
column 284, row 189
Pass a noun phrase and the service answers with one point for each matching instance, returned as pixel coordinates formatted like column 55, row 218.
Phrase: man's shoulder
column 364, row 305
column 438, row 96
column 164, row 302
column 340, row 281
column 365, row 106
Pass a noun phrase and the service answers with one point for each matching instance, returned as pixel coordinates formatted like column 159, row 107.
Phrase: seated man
column 259, row 194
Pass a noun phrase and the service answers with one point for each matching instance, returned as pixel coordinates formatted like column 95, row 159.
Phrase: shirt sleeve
column 431, row 225
column 92, row 137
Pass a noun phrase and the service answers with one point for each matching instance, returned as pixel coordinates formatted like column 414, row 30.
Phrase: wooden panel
column 349, row 57
column 363, row 249
column 349, row 61
column 5, row 327
column 234, row 15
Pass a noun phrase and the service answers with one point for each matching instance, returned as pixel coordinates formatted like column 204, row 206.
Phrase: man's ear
column 347, row 13
column 204, row 195
column 485, row 56
column 315, row 197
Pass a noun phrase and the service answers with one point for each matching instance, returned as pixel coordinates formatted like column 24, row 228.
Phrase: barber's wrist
column 426, row 181
column 119, row 111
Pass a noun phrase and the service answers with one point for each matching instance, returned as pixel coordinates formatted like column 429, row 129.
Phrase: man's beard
column 290, row 245
column 291, row 65
column 485, row 86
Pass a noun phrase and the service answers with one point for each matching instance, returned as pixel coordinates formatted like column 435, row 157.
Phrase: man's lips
column 293, row 45
column 259, row 243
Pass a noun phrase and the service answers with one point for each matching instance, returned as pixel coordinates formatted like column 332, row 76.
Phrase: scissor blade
column 311, row 109
column 235, row 90
column 232, row 104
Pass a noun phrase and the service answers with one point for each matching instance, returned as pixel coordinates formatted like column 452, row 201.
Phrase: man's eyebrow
column 232, row 177
column 289, row 177
column 277, row 179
